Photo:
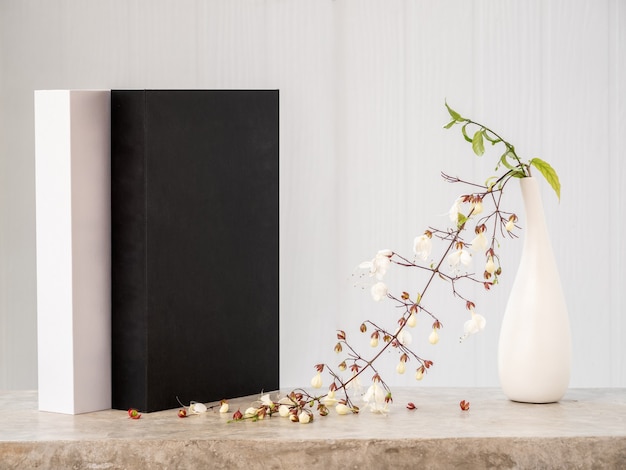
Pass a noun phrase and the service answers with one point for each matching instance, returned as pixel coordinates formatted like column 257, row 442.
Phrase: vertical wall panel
column 362, row 88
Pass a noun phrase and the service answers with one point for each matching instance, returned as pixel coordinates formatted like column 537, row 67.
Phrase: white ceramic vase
column 534, row 353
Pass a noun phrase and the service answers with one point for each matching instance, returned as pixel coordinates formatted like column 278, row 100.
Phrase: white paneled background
column 362, row 88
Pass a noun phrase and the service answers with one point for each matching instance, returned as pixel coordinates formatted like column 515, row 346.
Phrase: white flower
column 316, row 381
column 477, row 208
column 412, row 321
column 379, row 265
column 434, row 337
column 250, row 412
column 419, row 375
column 458, row 258
column 329, row 399
column 224, row 408
column 422, row 246
column 265, row 399
column 342, row 409
column 404, row 337
column 454, row 210
column 401, row 367
column 375, row 398
column 304, row 417
column 283, row 411
column 374, row 341
column 379, row 291
column 355, row 384
column 479, row 243
column 476, row 324
column 197, row 408
column 490, row 267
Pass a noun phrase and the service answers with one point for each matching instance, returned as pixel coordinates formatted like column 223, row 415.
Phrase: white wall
column 362, row 88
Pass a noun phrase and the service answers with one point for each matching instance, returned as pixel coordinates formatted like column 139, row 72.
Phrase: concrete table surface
column 587, row 429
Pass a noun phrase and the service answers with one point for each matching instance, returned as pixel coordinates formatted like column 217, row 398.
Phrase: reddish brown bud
column 237, row 415
column 354, row 367
column 338, row 348
column 404, row 357
column 363, row 327
column 470, row 305
column 319, row 367
column 464, row 405
column 341, row 335
column 182, row 413
column 428, row 363
column 487, row 285
column 405, row 296
column 411, row 406
column 437, row 325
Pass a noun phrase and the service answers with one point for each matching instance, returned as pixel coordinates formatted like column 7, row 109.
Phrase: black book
column 194, row 245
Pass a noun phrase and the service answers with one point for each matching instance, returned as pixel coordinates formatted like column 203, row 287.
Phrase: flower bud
column 283, row 411
column 304, row 417
column 250, row 412
column 338, row 348
column 374, row 341
column 316, row 381
column 343, row 366
column 490, row 267
column 224, row 407
column 342, row 409
column 401, row 367
column 329, row 399
column 419, row 375
column 412, row 321
column 434, row 337
column 510, row 225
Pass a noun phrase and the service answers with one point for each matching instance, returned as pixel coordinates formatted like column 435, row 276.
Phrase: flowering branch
column 480, row 209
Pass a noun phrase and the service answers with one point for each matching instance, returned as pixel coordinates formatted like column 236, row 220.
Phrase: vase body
column 534, row 352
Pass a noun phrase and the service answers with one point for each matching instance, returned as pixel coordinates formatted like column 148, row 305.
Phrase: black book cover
column 194, row 245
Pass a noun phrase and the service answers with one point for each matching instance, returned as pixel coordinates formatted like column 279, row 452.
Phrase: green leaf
column 549, row 174
column 505, row 162
column 489, row 182
column 449, row 125
column 465, row 136
column 493, row 140
column 456, row 116
column 461, row 219
column 478, row 146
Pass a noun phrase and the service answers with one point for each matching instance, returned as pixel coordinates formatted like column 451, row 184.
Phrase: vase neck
column 533, row 207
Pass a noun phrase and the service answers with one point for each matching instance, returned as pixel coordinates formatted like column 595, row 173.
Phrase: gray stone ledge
column 586, row 430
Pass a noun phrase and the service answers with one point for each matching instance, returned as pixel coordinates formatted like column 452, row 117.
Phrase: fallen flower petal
column 411, row 406
column 464, row 405
column 134, row 414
